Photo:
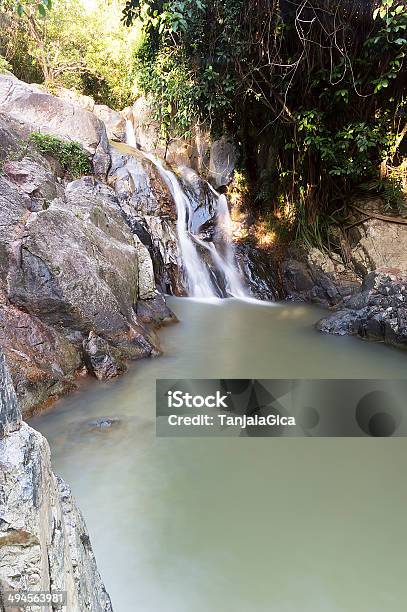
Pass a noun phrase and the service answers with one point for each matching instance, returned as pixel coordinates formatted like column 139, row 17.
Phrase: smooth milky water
column 238, row 524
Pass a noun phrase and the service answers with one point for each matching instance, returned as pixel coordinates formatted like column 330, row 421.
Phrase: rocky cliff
column 78, row 288
column 44, row 543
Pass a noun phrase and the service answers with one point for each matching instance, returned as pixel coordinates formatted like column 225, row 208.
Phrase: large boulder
column 78, row 267
column 38, row 110
column 380, row 244
column 44, row 541
column 114, row 122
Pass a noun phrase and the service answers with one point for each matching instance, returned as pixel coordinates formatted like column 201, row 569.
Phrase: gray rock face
column 260, row 272
column 10, row 415
column 114, row 122
column 40, row 111
column 377, row 312
column 149, row 210
column 380, row 244
column 44, row 542
column 314, row 277
column 222, row 163
column 71, row 274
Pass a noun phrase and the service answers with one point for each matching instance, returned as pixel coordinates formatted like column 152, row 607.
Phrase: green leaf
column 41, row 10
column 20, row 10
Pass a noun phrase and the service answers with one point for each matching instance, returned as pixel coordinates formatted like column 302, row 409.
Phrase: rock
column 86, row 102
column 138, row 185
column 146, row 280
column 10, row 415
column 377, row 312
column 39, row 111
column 380, row 244
column 44, row 541
column 223, row 158
column 103, row 424
column 36, row 179
column 155, row 310
column 193, row 151
column 202, row 200
column 78, row 265
column 69, row 267
column 114, row 122
column 103, row 360
column 260, row 272
column 43, row 362
column 149, row 210
column 315, row 277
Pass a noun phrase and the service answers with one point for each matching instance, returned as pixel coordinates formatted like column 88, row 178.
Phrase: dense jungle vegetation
column 312, row 91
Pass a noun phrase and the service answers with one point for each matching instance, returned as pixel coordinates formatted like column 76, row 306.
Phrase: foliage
column 70, row 155
column 89, row 51
column 390, row 190
column 311, row 89
column 4, row 65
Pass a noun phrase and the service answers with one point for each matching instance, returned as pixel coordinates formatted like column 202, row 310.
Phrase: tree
column 70, row 46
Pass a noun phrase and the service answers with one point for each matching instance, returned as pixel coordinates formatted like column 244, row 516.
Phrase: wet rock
column 155, row 310
column 202, row 200
column 102, row 360
column 260, row 272
column 44, row 541
column 103, row 424
column 377, row 312
column 138, row 185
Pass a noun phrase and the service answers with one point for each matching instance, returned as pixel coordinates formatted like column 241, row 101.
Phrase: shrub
column 4, row 65
column 71, row 155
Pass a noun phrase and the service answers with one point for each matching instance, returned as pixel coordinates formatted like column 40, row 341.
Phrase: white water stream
column 198, row 278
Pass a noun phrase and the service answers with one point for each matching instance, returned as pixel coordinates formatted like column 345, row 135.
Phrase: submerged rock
column 44, row 541
column 103, row 424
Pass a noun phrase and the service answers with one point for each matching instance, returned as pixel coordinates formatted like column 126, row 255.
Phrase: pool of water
column 237, row 524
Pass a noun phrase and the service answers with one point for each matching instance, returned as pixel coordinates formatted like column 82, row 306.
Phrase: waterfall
column 130, row 135
column 198, row 277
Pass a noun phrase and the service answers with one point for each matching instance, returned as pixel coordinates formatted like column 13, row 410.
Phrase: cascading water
column 197, row 274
